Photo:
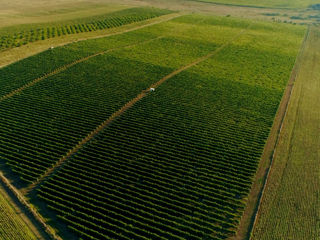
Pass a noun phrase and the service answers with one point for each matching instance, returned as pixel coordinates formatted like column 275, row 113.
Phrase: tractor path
column 65, row 67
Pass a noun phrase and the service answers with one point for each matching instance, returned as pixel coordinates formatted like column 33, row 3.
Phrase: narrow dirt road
column 290, row 205
column 252, row 208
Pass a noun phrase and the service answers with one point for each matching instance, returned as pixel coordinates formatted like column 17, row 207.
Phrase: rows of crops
column 23, row 72
column 162, row 171
column 44, row 122
column 290, row 204
column 40, row 125
column 179, row 164
column 12, row 227
column 110, row 20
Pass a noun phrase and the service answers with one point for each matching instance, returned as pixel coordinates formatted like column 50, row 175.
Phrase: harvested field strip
column 33, row 50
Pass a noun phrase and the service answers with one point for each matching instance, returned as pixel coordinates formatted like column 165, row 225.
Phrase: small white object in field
column 52, row 48
column 152, row 89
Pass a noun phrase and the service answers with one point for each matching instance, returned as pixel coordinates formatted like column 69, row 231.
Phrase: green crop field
column 21, row 35
column 292, row 191
column 267, row 3
column 178, row 164
column 12, row 226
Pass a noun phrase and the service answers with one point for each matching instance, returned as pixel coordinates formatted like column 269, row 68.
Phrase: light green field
column 267, row 3
column 12, row 226
column 14, row 54
column 291, row 203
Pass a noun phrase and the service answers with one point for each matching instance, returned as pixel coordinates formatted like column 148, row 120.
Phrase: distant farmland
column 176, row 163
column 266, row 3
column 13, row 37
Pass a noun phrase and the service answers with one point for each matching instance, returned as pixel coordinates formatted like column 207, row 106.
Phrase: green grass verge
column 290, row 204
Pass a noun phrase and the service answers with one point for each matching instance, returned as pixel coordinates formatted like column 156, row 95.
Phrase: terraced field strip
column 128, row 105
column 249, row 217
column 65, row 67
column 29, row 208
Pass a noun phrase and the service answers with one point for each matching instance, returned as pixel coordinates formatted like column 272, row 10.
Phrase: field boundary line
column 257, row 190
column 295, row 73
column 145, row 23
column 118, row 113
column 51, row 233
column 20, row 212
column 69, row 65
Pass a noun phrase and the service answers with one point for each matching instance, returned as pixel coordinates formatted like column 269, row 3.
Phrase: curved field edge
column 254, row 198
column 17, row 54
column 290, row 204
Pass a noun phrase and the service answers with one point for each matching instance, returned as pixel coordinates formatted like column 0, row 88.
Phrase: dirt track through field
column 65, row 67
column 251, row 212
column 128, row 105
column 19, row 216
column 29, row 208
column 20, row 197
